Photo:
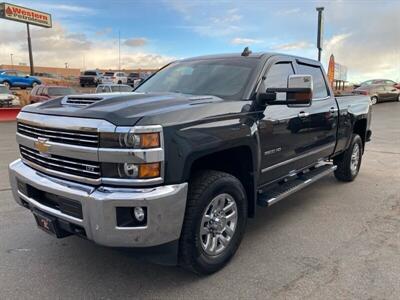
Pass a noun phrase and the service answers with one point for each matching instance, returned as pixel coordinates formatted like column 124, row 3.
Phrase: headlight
column 131, row 170
column 130, row 140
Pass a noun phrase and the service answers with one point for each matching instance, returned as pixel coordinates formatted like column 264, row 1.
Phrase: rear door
column 319, row 125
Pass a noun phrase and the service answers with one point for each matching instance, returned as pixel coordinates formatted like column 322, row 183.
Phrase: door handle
column 303, row 114
column 333, row 110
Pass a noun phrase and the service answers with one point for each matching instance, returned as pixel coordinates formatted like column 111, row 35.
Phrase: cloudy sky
column 363, row 35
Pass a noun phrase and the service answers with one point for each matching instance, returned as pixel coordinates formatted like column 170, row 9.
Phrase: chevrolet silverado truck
column 175, row 168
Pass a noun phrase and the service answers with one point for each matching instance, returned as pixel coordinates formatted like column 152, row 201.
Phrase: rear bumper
column 165, row 208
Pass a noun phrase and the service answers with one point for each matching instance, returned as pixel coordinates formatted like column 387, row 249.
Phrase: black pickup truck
column 177, row 167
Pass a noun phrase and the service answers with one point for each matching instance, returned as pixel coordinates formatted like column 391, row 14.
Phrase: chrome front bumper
column 165, row 208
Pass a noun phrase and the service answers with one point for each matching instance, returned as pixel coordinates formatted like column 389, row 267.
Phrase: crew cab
column 176, row 168
column 90, row 78
column 13, row 78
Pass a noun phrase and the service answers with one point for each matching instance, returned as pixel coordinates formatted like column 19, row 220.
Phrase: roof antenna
column 246, row 52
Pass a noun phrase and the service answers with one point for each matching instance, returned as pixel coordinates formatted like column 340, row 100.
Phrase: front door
column 280, row 136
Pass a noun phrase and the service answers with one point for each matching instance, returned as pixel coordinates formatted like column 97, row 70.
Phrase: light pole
column 320, row 36
column 12, row 63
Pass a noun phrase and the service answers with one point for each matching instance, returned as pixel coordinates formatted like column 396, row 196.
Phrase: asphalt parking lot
column 330, row 241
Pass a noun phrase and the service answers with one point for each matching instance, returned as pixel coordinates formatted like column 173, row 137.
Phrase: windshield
column 90, row 73
column 225, row 78
column 109, row 74
column 121, row 88
column 60, row 91
column 3, row 90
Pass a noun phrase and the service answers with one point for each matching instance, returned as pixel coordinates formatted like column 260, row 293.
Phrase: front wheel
column 398, row 97
column 34, row 84
column 348, row 163
column 7, row 84
column 215, row 221
column 374, row 100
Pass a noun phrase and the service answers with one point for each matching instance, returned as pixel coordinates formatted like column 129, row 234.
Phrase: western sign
column 25, row 15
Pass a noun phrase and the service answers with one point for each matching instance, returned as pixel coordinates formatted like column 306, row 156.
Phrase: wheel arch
column 238, row 161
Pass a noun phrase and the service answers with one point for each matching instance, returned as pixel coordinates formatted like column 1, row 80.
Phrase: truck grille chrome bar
column 67, row 165
column 90, row 139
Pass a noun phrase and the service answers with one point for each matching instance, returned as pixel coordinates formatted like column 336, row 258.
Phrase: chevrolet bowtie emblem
column 41, row 145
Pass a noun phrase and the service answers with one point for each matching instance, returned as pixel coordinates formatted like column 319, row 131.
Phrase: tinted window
column 109, row 74
column 121, row 88
column 320, row 90
column 277, row 75
column 39, row 90
column 60, row 91
column 225, row 78
column 90, row 73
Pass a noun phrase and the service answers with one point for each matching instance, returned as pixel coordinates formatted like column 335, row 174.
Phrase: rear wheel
column 348, row 163
column 374, row 100
column 119, row 82
column 82, row 85
column 398, row 97
column 214, row 224
column 34, row 84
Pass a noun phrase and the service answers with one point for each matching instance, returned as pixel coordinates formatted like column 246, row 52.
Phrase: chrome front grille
column 65, row 165
column 89, row 139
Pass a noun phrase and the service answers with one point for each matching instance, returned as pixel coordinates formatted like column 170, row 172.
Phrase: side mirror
column 299, row 92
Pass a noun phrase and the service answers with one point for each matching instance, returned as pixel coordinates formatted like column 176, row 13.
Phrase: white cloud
column 104, row 31
column 55, row 46
column 290, row 11
column 244, row 41
column 136, row 42
column 293, row 46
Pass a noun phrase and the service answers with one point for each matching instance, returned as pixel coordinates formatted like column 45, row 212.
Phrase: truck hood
column 128, row 108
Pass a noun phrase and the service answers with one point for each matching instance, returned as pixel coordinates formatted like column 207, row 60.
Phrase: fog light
column 139, row 214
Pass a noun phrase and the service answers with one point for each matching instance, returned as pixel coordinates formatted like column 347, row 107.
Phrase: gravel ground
column 330, row 241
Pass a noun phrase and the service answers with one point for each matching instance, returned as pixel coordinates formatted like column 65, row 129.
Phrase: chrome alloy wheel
column 218, row 224
column 355, row 159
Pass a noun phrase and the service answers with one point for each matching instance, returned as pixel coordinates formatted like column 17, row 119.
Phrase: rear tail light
column 114, row 77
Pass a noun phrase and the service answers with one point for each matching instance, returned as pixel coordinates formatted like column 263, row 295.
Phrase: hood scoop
column 83, row 100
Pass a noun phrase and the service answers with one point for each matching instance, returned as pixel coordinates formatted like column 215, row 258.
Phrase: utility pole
column 30, row 50
column 320, row 36
column 119, row 50
column 12, row 63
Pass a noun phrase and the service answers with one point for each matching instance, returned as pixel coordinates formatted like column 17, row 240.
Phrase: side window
column 320, row 89
column 277, row 75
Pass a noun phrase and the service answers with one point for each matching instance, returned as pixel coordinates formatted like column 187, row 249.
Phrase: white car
column 113, row 88
column 7, row 98
column 114, row 77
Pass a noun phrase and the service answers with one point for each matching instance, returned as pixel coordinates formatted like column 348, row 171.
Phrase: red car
column 43, row 93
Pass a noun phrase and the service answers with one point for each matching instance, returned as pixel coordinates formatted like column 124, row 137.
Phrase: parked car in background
column 89, row 78
column 113, row 88
column 376, row 81
column 6, row 97
column 379, row 92
column 115, row 77
column 13, row 78
column 134, row 79
column 43, row 93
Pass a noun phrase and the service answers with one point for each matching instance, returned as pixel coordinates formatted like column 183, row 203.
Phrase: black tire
column 7, row 84
column 345, row 171
column 374, row 100
column 203, row 188
column 82, row 85
column 119, row 82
